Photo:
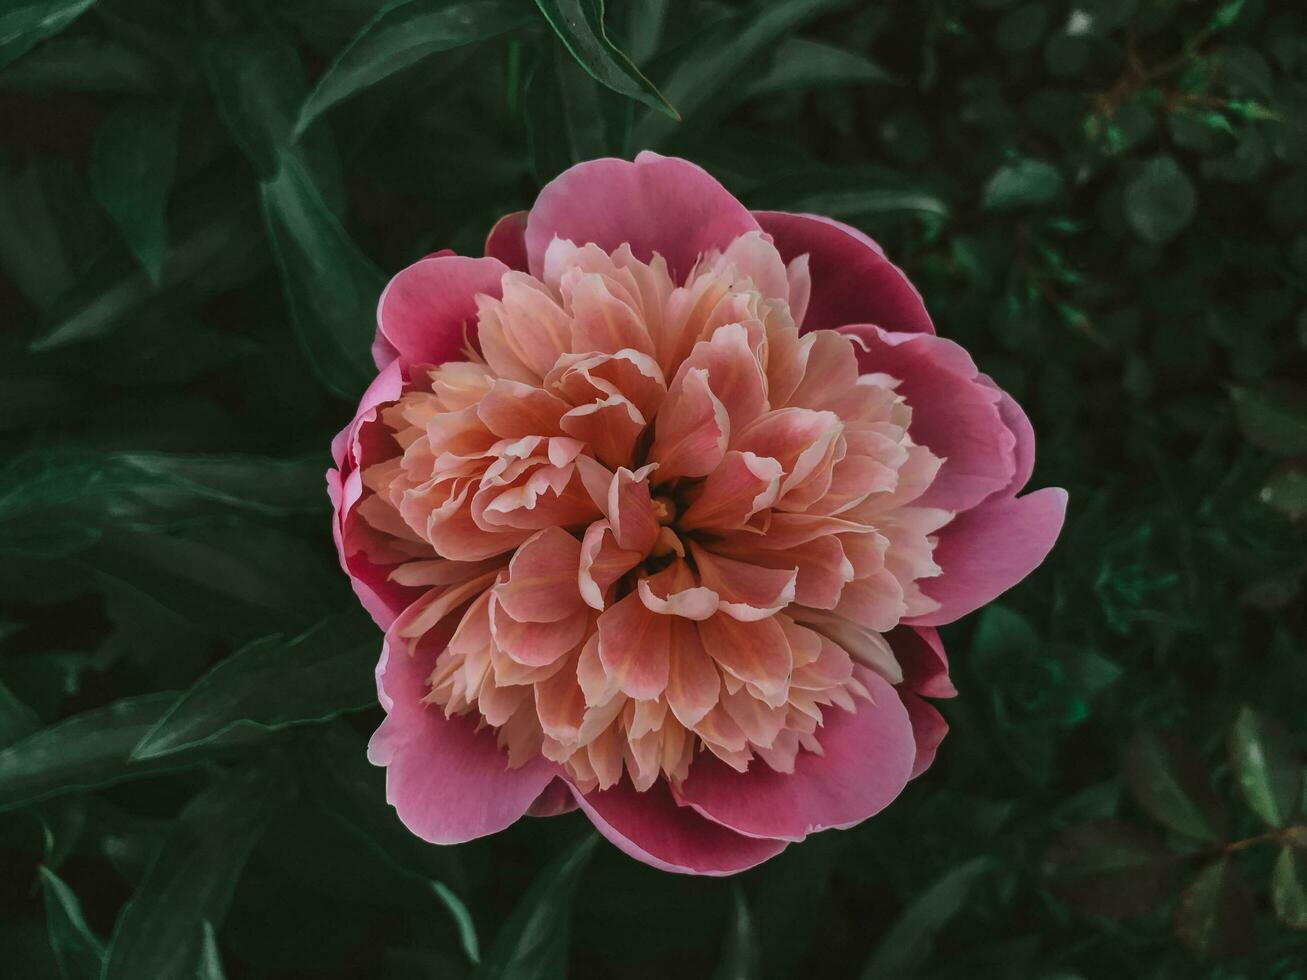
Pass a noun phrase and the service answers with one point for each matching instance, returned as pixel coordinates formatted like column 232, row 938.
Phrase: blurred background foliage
column 1104, row 200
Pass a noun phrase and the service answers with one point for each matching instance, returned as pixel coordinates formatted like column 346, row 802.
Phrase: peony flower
column 659, row 504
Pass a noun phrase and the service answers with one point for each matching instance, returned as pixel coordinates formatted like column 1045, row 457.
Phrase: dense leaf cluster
column 1104, row 200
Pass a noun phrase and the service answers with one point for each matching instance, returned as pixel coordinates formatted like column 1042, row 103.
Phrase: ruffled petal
column 954, row 413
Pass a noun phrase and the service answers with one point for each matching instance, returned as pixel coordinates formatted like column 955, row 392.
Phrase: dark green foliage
column 1105, row 201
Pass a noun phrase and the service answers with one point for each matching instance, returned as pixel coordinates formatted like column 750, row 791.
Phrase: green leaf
column 402, row 34
column 83, row 64
column 1274, row 417
column 1109, row 868
column 23, row 25
column 1159, row 200
column 1170, row 782
column 78, row 951
column 579, row 24
column 273, row 684
column 1214, row 914
column 206, row 259
column 533, row 943
column 740, row 949
column 210, row 959
column 907, row 944
column 1289, row 887
column 47, row 222
column 720, row 55
column 258, row 84
column 57, row 501
column 331, row 287
column 1226, row 14
column 1025, row 183
column 161, row 931
column 87, row 750
column 1286, row 491
column 467, row 932
column 801, row 63
column 17, row 720
column 1266, row 767
column 564, row 117
column 132, row 170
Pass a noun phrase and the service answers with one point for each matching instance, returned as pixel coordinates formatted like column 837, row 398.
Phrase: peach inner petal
column 665, row 523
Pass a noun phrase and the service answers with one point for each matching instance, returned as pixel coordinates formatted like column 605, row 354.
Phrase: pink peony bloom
column 659, row 505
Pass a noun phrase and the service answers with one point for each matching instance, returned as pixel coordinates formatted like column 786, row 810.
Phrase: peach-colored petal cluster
column 674, row 523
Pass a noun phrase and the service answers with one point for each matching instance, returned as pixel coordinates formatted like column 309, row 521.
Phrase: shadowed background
column 1104, row 200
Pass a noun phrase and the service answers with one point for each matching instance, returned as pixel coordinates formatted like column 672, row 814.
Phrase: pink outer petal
column 652, row 828
column 954, row 414
column 507, row 241
column 429, row 310
column 852, row 281
column 1015, row 419
column 989, row 549
column 656, row 204
column 867, row 758
column 920, row 653
column 448, row 782
column 928, row 728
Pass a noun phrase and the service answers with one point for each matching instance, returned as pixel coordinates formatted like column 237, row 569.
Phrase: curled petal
column 691, row 431
column 428, row 312
column 742, row 485
column 746, row 592
column 755, row 652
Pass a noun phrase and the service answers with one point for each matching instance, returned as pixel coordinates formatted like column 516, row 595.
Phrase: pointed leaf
column 160, row 933
column 1266, row 767
column 402, row 34
column 739, row 959
column 83, row 64
column 331, row 287
column 467, row 932
column 17, row 720
column 1214, row 915
column 132, row 170
column 579, row 24
column 908, row 942
column 1274, row 418
column 87, row 750
column 1110, row 869
column 721, row 55
column 533, row 943
column 23, row 25
column 1289, row 887
column 259, row 85
column 1170, row 782
column 273, row 684
column 801, row 63
column 210, row 255
column 78, row 951
column 210, row 959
